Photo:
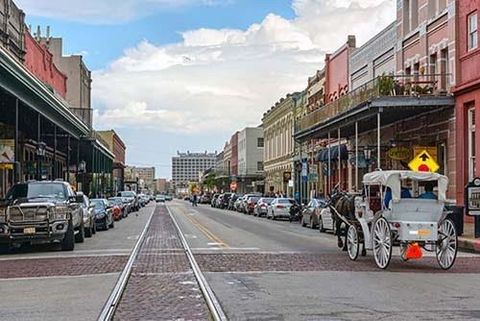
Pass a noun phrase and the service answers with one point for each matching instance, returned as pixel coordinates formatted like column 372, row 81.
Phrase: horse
column 343, row 204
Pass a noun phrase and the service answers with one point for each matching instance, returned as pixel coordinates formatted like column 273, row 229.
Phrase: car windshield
column 38, row 190
column 285, row 201
column 267, row 200
column 127, row 194
column 99, row 204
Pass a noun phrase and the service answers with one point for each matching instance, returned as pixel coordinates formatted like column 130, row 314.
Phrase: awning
column 335, row 151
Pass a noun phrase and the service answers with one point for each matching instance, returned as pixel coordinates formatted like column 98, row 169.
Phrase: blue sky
column 178, row 75
column 105, row 42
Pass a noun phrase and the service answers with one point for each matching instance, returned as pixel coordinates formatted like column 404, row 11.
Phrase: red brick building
column 467, row 94
column 39, row 61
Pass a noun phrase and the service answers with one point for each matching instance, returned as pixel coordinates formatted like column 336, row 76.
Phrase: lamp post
column 81, row 169
column 41, row 149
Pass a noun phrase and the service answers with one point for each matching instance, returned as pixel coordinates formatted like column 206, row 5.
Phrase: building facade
column 186, row 167
column 115, row 144
column 161, row 185
column 79, row 78
column 40, row 62
column 467, row 94
column 12, row 29
column 278, row 128
column 250, row 160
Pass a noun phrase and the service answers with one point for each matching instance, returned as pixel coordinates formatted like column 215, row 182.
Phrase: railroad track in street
column 162, row 279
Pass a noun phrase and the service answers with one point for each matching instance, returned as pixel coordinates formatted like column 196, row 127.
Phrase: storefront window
column 471, row 144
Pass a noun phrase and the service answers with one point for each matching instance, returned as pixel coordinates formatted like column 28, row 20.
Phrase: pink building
column 337, row 72
column 40, row 62
column 467, row 94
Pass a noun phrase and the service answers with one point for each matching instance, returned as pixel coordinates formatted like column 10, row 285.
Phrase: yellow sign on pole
column 424, row 162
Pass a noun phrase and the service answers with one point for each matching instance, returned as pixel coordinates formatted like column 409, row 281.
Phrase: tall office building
column 186, row 167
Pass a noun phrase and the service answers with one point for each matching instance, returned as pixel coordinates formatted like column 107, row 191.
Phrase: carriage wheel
column 382, row 243
column 447, row 244
column 353, row 244
column 403, row 251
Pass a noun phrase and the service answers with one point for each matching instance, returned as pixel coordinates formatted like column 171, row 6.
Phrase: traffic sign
column 424, row 162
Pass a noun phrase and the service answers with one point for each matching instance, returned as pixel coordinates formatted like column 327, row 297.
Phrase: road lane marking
column 212, row 237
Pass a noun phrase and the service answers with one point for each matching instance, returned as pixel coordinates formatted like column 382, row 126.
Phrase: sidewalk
column 467, row 241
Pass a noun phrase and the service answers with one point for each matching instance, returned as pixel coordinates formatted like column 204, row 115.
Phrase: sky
column 184, row 75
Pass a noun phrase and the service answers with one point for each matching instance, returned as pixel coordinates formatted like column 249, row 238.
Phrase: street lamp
column 82, row 166
column 41, row 151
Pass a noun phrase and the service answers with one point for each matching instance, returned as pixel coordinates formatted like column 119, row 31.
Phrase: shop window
column 471, row 144
column 472, row 31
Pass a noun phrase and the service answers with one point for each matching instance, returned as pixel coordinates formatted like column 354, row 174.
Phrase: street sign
column 400, row 153
column 424, row 162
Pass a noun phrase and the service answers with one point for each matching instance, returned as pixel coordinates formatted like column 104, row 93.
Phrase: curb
column 468, row 244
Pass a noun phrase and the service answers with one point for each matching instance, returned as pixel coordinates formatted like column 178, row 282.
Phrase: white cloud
column 106, row 11
column 221, row 80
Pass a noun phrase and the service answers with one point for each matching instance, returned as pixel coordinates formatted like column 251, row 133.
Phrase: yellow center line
column 212, row 237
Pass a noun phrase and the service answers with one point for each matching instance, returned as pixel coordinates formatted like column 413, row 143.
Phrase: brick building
column 467, row 94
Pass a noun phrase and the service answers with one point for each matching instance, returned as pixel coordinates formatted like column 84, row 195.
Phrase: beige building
column 144, row 175
column 278, row 124
column 161, row 185
column 79, row 79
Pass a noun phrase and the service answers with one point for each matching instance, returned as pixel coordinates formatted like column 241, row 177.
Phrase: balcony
column 407, row 90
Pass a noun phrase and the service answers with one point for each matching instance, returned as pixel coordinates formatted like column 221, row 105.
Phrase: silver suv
column 41, row 212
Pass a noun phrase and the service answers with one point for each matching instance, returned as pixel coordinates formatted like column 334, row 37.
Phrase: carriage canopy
column 393, row 179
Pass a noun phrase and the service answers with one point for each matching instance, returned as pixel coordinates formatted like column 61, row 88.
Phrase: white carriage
column 405, row 221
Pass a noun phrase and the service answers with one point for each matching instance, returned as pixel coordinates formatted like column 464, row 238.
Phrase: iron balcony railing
column 383, row 86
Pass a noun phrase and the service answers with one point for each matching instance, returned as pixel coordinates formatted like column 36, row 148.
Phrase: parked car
column 43, row 212
column 224, row 200
column 238, row 203
column 160, row 198
column 280, row 208
column 88, row 214
column 233, row 199
column 205, row 199
column 261, row 207
column 116, row 210
column 132, row 198
column 250, row 204
column 103, row 214
column 311, row 213
column 243, row 204
column 213, row 203
column 120, row 203
column 168, row 198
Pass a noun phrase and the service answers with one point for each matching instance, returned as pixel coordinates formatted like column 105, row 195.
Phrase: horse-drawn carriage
column 382, row 218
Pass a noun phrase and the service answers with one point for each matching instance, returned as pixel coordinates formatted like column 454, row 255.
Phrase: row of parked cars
column 316, row 214
column 50, row 211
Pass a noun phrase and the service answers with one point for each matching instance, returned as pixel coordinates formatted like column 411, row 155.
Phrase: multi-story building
column 79, row 78
column 187, row 166
column 234, row 155
column 379, row 113
column 40, row 62
column 277, row 124
column 115, row 144
column 467, row 94
column 250, row 176
column 12, row 29
column 161, row 185
column 146, row 177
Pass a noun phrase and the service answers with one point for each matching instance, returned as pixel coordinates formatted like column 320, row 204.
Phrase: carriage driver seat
column 375, row 202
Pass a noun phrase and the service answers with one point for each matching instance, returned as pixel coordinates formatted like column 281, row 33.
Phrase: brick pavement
column 162, row 285
column 71, row 266
column 256, row 262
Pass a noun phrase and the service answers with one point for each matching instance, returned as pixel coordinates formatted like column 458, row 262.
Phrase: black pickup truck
column 41, row 212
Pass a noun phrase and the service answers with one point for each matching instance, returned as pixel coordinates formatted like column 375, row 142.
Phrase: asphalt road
column 270, row 270
column 44, row 283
